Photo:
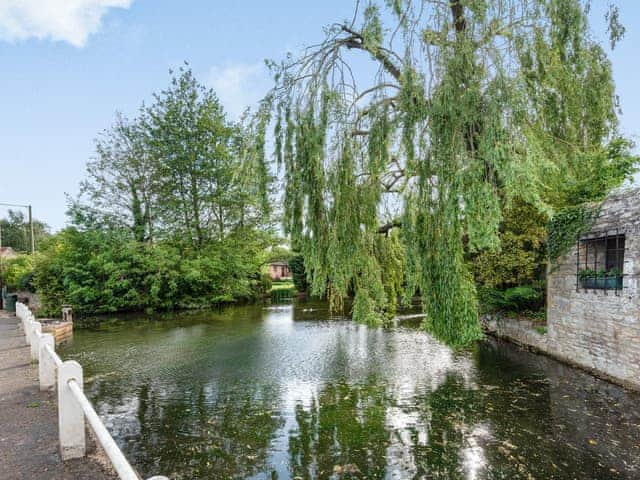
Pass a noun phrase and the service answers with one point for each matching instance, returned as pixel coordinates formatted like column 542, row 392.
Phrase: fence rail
column 73, row 405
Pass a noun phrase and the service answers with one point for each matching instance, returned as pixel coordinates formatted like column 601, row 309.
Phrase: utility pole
column 28, row 207
column 33, row 238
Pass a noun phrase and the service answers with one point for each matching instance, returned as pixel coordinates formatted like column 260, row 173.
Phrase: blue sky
column 66, row 72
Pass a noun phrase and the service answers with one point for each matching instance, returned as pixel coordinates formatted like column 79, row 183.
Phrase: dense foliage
column 100, row 272
column 17, row 273
column 566, row 227
column 172, row 213
column 474, row 105
column 519, row 299
column 298, row 273
column 520, row 257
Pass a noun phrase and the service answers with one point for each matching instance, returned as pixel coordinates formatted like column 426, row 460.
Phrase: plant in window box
column 613, row 279
column 588, row 278
column 601, row 279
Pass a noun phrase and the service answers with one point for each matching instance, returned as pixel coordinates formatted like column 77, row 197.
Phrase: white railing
column 73, row 405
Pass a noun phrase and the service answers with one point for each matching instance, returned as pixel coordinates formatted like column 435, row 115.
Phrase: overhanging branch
column 355, row 40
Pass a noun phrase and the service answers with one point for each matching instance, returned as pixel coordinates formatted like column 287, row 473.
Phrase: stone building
column 279, row 271
column 593, row 312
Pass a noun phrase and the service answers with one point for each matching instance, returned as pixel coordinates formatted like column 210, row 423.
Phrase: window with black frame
column 600, row 261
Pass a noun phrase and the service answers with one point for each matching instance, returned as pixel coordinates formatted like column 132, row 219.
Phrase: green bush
column 17, row 272
column 515, row 299
column 99, row 272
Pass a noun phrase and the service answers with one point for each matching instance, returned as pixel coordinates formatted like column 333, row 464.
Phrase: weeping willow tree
column 405, row 133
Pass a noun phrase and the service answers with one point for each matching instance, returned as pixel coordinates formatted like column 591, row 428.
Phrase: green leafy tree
column 196, row 153
column 120, row 188
column 298, row 272
column 15, row 231
column 473, row 105
column 520, row 258
column 179, row 170
column 16, row 273
column 183, row 176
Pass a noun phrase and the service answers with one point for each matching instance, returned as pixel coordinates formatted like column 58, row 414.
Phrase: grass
column 282, row 285
column 282, row 291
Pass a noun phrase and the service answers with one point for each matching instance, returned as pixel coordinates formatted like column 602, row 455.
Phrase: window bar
column 578, row 266
column 595, row 262
column 618, row 265
column 606, row 262
column 586, row 256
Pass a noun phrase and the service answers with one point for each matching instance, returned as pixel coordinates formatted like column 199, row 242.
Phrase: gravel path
column 29, row 419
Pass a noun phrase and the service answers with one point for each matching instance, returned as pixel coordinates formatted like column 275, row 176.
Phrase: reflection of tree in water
column 386, row 414
column 200, row 435
column 342, row 433
column 451, row 413
column 354, row 432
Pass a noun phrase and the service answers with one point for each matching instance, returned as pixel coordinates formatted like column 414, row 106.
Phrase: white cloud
column 239, row 85
column 71, row 21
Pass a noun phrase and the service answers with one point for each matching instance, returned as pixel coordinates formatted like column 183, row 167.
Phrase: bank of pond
column 292, row 392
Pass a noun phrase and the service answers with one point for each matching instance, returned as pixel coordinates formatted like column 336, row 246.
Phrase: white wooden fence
column 73, row 405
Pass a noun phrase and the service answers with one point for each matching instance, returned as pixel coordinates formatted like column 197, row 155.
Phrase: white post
column 47, row 365
column 36, row 330
column 27, row 329
column 70, row 415
column 30, row 320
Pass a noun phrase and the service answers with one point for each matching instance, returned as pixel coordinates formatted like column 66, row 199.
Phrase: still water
column 288, row 392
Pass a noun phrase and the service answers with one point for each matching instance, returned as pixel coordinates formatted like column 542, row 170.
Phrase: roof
column 619, row 212
column 8, row 252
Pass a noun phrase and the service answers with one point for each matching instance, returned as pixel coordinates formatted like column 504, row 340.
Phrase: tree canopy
column 180, row 170
column 399, row 165
column 172, row 212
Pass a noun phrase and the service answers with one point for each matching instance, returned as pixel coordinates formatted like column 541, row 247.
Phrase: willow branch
column 356, row 41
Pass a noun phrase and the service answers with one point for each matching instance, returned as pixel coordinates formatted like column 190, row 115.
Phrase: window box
column 602, row 283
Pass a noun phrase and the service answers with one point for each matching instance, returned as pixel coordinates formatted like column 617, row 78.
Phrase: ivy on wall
column 566, row 226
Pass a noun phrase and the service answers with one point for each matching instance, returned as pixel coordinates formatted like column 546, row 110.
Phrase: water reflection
column 288, row 392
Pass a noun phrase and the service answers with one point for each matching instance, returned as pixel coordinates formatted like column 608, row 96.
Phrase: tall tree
column 192, row 145
column 120, row 188
column 473, row 103
column 179, row 170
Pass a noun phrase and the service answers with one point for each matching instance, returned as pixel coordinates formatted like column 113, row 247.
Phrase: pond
column 289, row 392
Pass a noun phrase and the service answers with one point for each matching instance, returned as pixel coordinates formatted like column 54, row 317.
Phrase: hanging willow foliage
column 398, row 163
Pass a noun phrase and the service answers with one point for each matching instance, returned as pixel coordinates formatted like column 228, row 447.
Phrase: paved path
column 29, row 419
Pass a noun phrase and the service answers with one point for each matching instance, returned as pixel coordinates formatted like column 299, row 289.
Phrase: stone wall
column 520, row 331
column 600, row 329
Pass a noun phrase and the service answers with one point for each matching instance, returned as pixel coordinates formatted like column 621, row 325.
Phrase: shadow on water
column 288, row 392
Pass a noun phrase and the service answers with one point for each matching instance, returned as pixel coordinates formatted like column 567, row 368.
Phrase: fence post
column 30, row 321
column 47, row 365
column 67, row 313
column 27, row 328
column 36, row 329
column 70, row 414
